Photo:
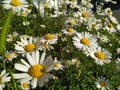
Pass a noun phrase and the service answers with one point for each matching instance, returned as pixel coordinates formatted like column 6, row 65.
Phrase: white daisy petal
column 3, row 73
column 30, row 59
column 42, row 58
column 21, row 67
column 25, row 63
column 34, row 83
column 20, row 75
column 37, row 57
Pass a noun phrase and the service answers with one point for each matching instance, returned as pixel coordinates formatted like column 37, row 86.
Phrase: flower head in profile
column 103, row 84
column 15, row 5
column 108, row 11
column 57, row 65
column 100, row 55
column 45, row 46
column 3, row 79
column 74, row 62
column 49, row 38
column 10, row 55
column 68, row 31
column 36, row 69
column 110, row 27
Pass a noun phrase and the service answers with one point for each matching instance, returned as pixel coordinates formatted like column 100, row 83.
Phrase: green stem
column 4, row 31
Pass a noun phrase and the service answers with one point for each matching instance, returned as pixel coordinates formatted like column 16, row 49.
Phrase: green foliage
column 74, row 77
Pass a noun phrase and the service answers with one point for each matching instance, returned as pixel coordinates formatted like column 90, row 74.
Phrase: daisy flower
column 109, row 27
column 15, row 5
column 84, row 41
column 9, row 39
column 10, row 55
column 100, row 55
column 12, row 37
column 70, row 22
column 24, row 12
column 74, row 62
column 101, row 38
column 68, row 31
column 36, row 70
column 49, row 38
column 108, row 11
column 25, row 85
column 102, row 83
column 85, row 14
column 57, row 65
column 45, row 46
column 26, row 23
column 3, row 79
column 27, row 44
column 94, row 23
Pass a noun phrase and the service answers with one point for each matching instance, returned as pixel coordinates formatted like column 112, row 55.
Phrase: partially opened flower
column 36, row 70
column 57, row 65
column 103, row 84
column 15, row 5
column 108, row 11
column 9, row 55
column 74, row 61
column 110, row 27
column 3, row 79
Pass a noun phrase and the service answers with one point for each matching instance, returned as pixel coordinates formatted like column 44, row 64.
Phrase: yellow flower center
column 56, row 65
column 23, row 13
column 76, row 62
column 70, row 30
column 85, row 14
column 85, row 41
column 99, row 55
column 29, row 47
column 71, row 23
column 94, row 25
column 37, row 71
column 109, row 11
column 15, row 3
column 8, row 56
column 14, row 53
column 46, row 5
column 0, row 80
column 102, row 84
column 48, row 36
column 110, row 25
column 25, row 85
column 45, row 44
